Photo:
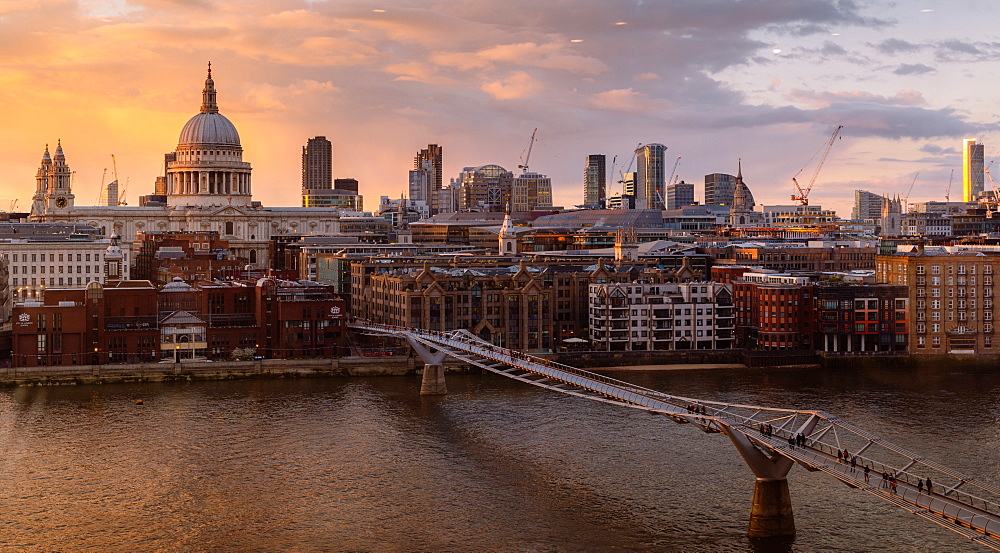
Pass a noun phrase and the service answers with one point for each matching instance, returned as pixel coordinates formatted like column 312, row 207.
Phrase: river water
column 366, row 464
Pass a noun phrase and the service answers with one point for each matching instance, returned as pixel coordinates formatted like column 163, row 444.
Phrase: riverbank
column 672, row 367
column 207, row 371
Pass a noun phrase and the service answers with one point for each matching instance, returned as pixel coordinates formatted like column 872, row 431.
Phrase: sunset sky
column 714, row 80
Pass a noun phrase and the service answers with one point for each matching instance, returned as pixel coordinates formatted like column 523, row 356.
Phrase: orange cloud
column 515, row 86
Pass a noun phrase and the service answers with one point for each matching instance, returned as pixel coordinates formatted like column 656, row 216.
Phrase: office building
column 426, row 177
column 679, row 195
column 973, row 173
column 485, row 188
column 650, row 181
column 720, row 189
column 867, row 205
column 595, row 182
column 530, row 192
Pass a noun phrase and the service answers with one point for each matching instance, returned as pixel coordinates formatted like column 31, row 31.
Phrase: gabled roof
column 180, row 318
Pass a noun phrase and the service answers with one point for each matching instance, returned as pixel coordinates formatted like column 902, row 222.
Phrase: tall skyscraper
column 426, row 177
column 973, row 173
column 595, row 181
column 317, row 164
column 650, row 178
column 679, row 195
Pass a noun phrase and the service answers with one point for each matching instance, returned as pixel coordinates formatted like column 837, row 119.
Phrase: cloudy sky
column 714, row 80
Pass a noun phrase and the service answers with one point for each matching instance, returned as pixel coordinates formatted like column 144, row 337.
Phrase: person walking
column 920, row 486
column 930, row 486
column 885, row 480
column 854, row 464
column 893, row 482
column 866, row 473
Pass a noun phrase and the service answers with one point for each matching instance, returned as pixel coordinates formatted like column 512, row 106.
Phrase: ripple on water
column 369, row 465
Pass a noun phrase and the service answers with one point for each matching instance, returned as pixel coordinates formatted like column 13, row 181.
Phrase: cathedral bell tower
column 53, row 184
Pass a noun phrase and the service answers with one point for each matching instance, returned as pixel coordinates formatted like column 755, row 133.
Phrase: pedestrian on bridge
column 854, row 464
column 920, row 486
column 885, row 480
column 867, row 469
column 930, row 486
column 892, row 481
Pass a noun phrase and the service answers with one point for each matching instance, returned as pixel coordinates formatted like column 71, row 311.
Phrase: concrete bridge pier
column 771, row 512
column 432, row 383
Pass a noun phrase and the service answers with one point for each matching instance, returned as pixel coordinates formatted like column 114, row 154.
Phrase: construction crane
column 631, row 162
column 673, row 172
column 906, row 198
column 526, row 158
column 803, row 195
column 119, row 199
column 947, row 192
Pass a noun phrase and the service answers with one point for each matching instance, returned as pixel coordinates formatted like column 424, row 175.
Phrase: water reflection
column 369, row 465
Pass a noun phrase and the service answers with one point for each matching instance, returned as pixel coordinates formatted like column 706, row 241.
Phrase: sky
column 716, row 81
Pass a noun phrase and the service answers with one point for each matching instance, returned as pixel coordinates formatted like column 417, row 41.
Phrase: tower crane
column 803, row 193
column 906, row 199
column 631, row 162
column 947, row 192
column 526, row 158
column 673, row 172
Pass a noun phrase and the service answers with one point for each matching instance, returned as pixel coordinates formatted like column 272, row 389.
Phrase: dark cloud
column 913, row 69
column 936, row 150
column 961, row 47
column 896, row 46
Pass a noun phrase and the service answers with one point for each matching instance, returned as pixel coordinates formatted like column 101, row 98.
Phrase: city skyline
column 381, row 82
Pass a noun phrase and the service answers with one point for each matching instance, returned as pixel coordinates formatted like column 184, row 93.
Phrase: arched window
column 253, row 256
column 229, row 227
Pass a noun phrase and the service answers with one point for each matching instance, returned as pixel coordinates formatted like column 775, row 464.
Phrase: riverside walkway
column 771, row 440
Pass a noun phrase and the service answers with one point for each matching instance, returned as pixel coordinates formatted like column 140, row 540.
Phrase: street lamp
column 177, row 350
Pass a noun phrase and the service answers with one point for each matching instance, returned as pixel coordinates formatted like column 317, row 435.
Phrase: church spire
column 208, row 101
column 739, row 169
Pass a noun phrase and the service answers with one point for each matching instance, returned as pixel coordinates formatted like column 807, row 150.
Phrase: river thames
column 366, row 464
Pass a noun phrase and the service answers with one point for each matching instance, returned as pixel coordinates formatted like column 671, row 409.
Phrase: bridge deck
column 951, row 505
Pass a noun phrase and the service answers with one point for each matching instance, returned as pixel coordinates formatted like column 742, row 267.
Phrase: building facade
column 973, row 170
column 595, row 181
column 952, row 291
column 647, row 316
column 679, row 195
column 317, row 164
column 651, row 183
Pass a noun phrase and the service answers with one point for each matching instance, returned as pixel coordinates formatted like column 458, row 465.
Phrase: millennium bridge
column 771, row 440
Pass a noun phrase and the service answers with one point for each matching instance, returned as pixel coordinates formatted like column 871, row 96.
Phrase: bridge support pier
column 433, row 383
column 771, row 514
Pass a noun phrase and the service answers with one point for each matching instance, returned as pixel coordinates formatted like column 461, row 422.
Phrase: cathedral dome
column 211, row 129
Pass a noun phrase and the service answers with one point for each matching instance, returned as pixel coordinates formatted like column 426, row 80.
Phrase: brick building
column 192, row 256
column 774, row 311
column 133, row 321
column 857, row 318
column 524, row 307
column 951, row 296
